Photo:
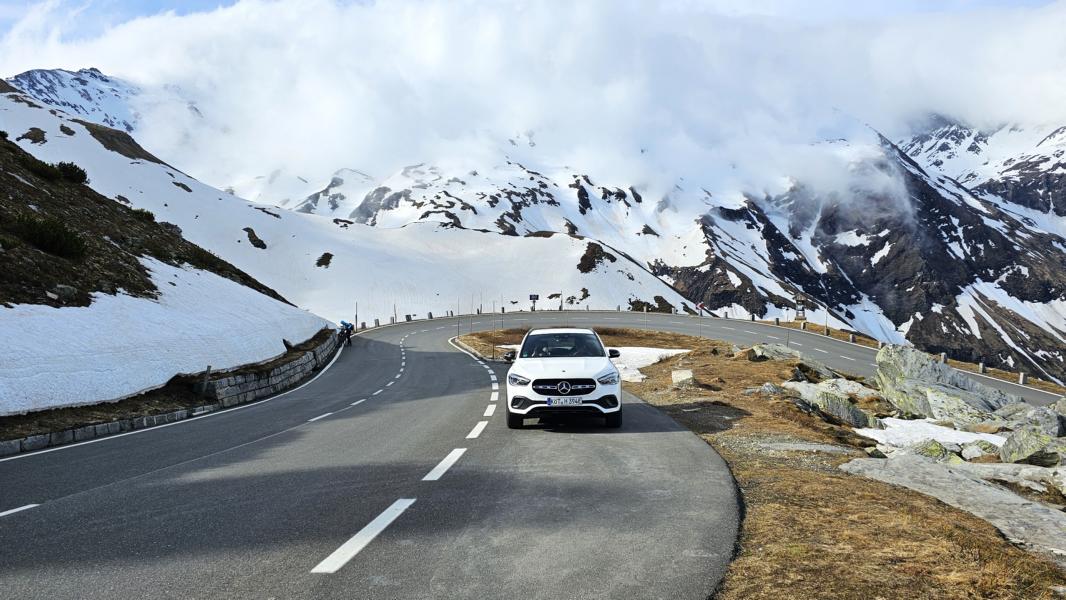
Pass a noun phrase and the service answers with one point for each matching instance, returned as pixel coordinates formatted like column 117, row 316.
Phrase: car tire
column 614, row 420
column 515, row 421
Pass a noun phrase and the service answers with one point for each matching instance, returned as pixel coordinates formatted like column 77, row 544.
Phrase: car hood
column 562, row 367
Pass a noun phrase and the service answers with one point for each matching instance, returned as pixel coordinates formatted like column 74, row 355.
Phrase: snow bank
column 632, row 359
column 122, row 345
column 902, row 433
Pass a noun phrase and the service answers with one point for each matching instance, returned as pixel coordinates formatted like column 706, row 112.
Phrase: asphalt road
column 391, row 475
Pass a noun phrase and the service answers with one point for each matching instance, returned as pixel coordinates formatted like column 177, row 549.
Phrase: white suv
column 563, row 372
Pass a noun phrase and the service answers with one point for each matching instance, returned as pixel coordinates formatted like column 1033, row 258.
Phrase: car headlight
column 609, row 379
column 516, row 379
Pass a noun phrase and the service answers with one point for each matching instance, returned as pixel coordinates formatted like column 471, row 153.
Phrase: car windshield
column 553, row 345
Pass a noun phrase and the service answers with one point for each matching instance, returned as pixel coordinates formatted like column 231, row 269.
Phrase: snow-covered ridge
column 120, row 345
column 895, row 255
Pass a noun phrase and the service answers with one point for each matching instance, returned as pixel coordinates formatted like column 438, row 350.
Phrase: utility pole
column 356, row 324
column 395, row 318
column 458, row 319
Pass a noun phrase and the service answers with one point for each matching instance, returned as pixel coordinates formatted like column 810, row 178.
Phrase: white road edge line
column 319, row 417
column 377, row 392
column 476, row 431
column 358, row 402
column 489, row 410
column 443, row 466
column 353, row 546
column 19, row 509
column 216, row 413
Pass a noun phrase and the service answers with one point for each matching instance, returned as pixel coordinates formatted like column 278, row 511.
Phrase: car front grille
column 550, row 387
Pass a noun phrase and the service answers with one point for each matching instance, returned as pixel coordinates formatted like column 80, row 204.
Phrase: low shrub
column 144, row 214
column 3, row 135
column 72, row 172
column 49, row 235
column 40, row 168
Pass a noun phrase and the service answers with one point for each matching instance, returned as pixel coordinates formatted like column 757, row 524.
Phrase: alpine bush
column 72, row 172
column 49, row 235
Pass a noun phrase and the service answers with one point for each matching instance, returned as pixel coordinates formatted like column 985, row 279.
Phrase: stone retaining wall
column 220, row 393
column 238, row 389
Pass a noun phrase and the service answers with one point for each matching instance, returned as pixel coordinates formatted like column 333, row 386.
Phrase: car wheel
column 515, row 421
column 614, row 420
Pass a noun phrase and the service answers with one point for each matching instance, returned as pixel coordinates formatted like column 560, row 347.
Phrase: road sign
column 534, row 297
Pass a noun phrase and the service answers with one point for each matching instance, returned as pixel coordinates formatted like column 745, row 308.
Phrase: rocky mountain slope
column 1021, row 167
column 99, row 301
column 335, row 266
column 948, row 265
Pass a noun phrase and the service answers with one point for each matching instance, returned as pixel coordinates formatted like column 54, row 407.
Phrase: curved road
column 378, row 480
column 391, row 475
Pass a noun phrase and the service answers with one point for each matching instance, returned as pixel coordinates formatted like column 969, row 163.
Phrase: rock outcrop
column 919, row 386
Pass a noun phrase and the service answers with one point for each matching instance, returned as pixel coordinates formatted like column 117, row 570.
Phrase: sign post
column 534, row 298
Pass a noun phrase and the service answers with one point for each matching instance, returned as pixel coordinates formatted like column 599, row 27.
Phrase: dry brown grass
column 811, row 530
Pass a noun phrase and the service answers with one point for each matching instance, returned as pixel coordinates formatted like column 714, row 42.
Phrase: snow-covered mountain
column 331, row 266
column 1021, row 167
column 923, row 258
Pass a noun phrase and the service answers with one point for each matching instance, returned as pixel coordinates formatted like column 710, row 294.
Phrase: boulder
column 978, row 449
column 828, row 399
column 1060, row 406
column 1040, row 417
column 841, row 407
column 931, row 449
column 682, row 377
column 918, row 385
column 1033, row 446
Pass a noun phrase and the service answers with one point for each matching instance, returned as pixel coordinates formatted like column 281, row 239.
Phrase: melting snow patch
column 901, row 433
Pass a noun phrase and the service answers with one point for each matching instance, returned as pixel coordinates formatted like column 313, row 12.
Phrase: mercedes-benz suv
column 563, row 372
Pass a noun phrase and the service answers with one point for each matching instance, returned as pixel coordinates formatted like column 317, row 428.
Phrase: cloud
column 711, row 91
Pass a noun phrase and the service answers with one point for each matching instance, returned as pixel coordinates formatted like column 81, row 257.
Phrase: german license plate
column 564, row 401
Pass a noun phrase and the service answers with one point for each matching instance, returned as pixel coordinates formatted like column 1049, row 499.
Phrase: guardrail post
column 851, row 338
column 752, row 318
column 407, row 317
column 726, row 313
column 430, row 315
column 377, row 323
column 619, row 308
column 207, row 377
column 777, row 320
column 943, row 357
column 981, row 367
column 1022, row 378
column 827, row 331
column 803, row 325
column 503, row 310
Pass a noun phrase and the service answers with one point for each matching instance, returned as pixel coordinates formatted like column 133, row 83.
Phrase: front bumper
column 524, row 401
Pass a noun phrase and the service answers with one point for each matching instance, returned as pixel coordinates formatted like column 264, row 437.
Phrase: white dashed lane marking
column 319, row 417
column 377, row 392
column 353, row 546
column 489, row 410
column 476, row 431
column 441, row 468
column 494, row 397
column 19, row 509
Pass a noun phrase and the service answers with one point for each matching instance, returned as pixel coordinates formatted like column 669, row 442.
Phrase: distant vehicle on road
column 563, row 372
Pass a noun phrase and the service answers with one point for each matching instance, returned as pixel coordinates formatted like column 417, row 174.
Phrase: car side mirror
column 612, row 353
column 509, row 356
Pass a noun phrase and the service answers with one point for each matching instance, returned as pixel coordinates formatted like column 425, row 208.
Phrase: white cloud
column 710, row 90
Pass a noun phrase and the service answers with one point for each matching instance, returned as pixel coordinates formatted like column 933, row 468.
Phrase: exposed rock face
column 920, row 386
column 828, row 398
column 979, row 449
column 1033, row 446
column 1020, row 520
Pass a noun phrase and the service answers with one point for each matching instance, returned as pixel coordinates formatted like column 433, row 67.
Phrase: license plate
column 564, row 401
